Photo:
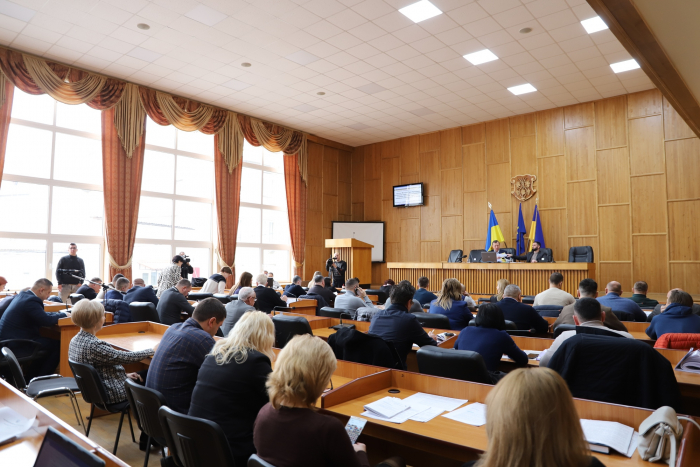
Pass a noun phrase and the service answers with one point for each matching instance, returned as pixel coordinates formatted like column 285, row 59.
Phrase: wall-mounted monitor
column 408, row 195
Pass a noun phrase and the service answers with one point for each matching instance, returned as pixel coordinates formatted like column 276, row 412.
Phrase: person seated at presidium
column 531, row 420
column 295, row 290
column 423, row 295
column 234, row 375
column 90, row 289
column 354, row 297
column 536, row 255
column 246, row 280
column 235, row 309
column 181, row 352
column 639, row 295
column 449, row 303
column 588, row 313
column 588, row 288
column 677, row 317
column 173, row 302
column 554, row 295
column 525, row 317
column 119, row 290
column 85, row 347
column 217, row 282
column 168, row 277
column 501, row 257
column 141, row 293
column 501, row 285
column 267, row 297
column 613, row 299
column 489, row 338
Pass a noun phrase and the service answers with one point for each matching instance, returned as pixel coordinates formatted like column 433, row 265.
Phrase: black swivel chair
column 286, row 327
column 509, row 251
column 75, row 297
column 563, row 327
column 145, row 403
column 223, row 298
column 195, row 442
column 552, row 311
column 581, row 254
column 528, row 299
column 510, row 326
column 475, row 256
column 623, row 315
column 143, row 311
column 597, row 331
column 255, row 461
column 94, row 393
column 548, row 252
column 197, row 296
column 341, row 313
column 455, row 256
column 234, row 296
column 455, row 364
column 381, row 295
column 433, row 320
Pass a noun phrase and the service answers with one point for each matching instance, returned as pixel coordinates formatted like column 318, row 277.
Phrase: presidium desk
column 481, row 278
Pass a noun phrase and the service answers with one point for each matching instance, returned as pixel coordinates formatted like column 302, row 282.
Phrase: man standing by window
column 69, row 264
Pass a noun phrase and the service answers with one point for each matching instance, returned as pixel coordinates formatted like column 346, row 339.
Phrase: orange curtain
column 296, row 210
column 228, row 202
column 122, row 193
column 5, row 116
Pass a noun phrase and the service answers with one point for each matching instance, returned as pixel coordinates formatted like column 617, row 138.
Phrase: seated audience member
column 423, row 295
column 354, row 297
column 449, row 303
column 234, row 375
column 531, row 420
column 267, row 297
column 23, row 320
column 141, row 293
column 90, row 290
column 396, row 325
column 294, row 289
column 639, row 295
column 5, row 303
column 327, row 284
column 181, row 352
column 246, row 280
column 554, row 295
column 318, row 288
column 121, row 286
column 677, row 317
column 101, row 293
column 236, row 308
column 170, row 276
column 56, row 298
column 658, row 309
column 588, row 288
column 386, row 288
column 489, row 338
column 613, row 299
column 173, row 302
column 217, row 282
column 85, row 347
column 320, row 301
column 467, row 298
column 138, row 282
column 500, row 288
column 524, row 316
column 289, row 431
column 588, row 313
column 367, row 312
column 275, row 284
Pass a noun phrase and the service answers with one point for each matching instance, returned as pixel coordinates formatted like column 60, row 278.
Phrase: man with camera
column 187, row 268
column 67, row 267
column 337, row 269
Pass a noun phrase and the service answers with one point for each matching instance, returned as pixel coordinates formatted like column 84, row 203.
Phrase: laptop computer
column 489, row 257
column 59, row 450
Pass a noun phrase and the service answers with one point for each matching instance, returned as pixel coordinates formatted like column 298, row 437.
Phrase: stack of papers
column 691, row 362
column 12, row 424
column 603, row 436
column 387, row 407
column 419, row 407
column 472, row 414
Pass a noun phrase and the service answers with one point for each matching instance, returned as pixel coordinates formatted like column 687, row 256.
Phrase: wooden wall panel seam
column 647, row 174
column 614, row 204
column 584, row 180
column 679, row 139
column 549, row 155
column 648, row 234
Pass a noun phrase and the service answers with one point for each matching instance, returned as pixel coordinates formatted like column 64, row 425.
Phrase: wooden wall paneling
column 498, row 186
column 409, row 155
column 613, row 176
column 330, row 210
column 620, row 272
column 580, row 115
column 314, row 230
column 330, row 171
column 410, row 240
column 586, row 241
column 555, row 232
column 683, row 168
column 644, row 104
column 674, row 125
column 429, row 142
column 686, row 276
column 372, row 162
column 357, row 176
column 451, row 149
column 647, row 145
column 551, row 182
column 582, row 208
column 327, row 233
column 451, row 238
column 389, row 149
column 474, row 165
column 580, row 154
column 392, row 219
column 649, row 206
column 315, row 159
column 497, row 141
column 611, row 122
column 451, row 182
column 430, row 252
column 344, row 199
column 358, row 212
column 615, row 236
column 523, row 125
column 474, row 133
column 373, row 200
column 523, row 159
column 410, row 178
column 651, row 262
column 392, row 253
column 683, row 225
column 314, row 260
column 430, row 218
column 550, row 132
column 390, row 176
column 430, row 173
column 475, row 215
column 314, row 194
column 470, row 245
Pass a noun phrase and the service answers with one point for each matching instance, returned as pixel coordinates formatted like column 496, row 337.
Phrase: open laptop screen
column 58, row 450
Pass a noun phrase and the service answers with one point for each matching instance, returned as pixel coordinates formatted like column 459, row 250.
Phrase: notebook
column 603, row 436
column 691, row 362
column 59, row 450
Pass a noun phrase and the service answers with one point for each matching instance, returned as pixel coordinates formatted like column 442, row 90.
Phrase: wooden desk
column 67, row 330
column 53, row 306
column 305, row 307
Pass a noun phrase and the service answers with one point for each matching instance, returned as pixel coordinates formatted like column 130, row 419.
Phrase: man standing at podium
column 337, row 269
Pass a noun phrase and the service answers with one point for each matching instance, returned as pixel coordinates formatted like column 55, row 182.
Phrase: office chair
column 143, row 311
column 75, row 298
column 581, row 254
column 286, row 327
column 433, row 320
column 145, row 403
column 548, row 310
column 455, row 364
column 197, row 296
column 455, row 256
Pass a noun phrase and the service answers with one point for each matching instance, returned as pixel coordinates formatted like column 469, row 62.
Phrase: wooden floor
column 103, row 430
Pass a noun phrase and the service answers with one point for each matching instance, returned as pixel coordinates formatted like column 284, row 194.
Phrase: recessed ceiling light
column 525, row 30
column 245, row 64
column 522, row 89
column 627, row 65
column 482, row 56
column 420, row 11
column 321, row 93
column 594, row 24
column 143, row 26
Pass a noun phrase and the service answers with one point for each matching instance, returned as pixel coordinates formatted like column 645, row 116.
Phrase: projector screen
column 368, row 232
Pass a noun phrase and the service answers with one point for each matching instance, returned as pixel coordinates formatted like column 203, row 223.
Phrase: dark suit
column 5, row 303
column 114, row 295
column 542, row 257
column 611, row 321
column 396, row 325
column 171, row 305
column 327, row 294
column 234, row 311
column 22, row 320
column 141, row 294
column 267, row 299
column 87, row 292
column 294, row 290
column 524, row 316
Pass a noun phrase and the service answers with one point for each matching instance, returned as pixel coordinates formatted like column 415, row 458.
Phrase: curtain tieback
column 116, row 266
column 298, row 265
column 221, row 260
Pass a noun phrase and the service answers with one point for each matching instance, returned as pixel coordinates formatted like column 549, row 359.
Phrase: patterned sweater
column 168, row 277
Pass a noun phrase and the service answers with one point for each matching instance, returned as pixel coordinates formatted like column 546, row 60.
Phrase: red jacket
column 678, row 341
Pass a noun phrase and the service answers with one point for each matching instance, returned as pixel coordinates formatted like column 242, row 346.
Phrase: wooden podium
column 357, row 254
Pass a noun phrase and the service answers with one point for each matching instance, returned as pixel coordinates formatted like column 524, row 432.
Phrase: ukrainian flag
column 494, row 233
column 536, row 234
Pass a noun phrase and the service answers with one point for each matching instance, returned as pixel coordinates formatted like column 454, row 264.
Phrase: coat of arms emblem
column 523, row 186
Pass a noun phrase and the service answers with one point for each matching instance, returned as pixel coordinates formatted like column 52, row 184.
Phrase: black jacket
column 70, row 262
column 187, row 269
column 86, row 292
column 320, row 301
column 396, row 325
column 337, row 273
column 616, row 371
column 239, row 392
column 542, row 257
column 355, row 346
column 327, row 294
column 25, row 316
column 5, row 302
column 524, row 316
column 141, row 294
column 267, row 299
column 294, row 290
column 171, row 305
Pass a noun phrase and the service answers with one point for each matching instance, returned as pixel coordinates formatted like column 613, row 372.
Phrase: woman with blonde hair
column 500, row 288
column 531, row 420
column 450, row 302
column 246, row 280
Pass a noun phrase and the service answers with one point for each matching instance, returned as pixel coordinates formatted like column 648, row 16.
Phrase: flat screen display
column 408, row 195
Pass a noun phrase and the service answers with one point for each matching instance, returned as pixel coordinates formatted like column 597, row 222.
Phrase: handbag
column 659, row 435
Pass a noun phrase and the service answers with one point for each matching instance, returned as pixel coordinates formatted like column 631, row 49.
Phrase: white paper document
column 387, row 407
column 472, row 414
column 401, row 417
column 12, row 424
column 445, row 403
column 427, row 415
column 612, row 434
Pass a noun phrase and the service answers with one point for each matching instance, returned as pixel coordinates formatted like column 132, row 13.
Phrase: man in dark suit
column 295, row 290
column 319, row 289
column 524, row 316
column 140, row 293
column 90, row 290
column 173, row 302
column 537, row 255
column 23, row 319
column 267, row 298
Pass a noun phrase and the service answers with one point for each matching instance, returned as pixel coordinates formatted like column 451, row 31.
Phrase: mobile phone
column 354, row 428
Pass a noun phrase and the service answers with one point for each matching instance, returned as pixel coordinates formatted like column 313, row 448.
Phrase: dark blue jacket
column 524, row 316
column 216, row 277
column 459, row 314
column 676, row 318
column 114, row 295
column 396, row 325
column 294, row 290
column 5, row 303
column 86, row 292
column 120, row 308
column 491, row 344
column 25, row 316
column 424, row 296
column 618, row 303
column 55, row 299
column 141, row 294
